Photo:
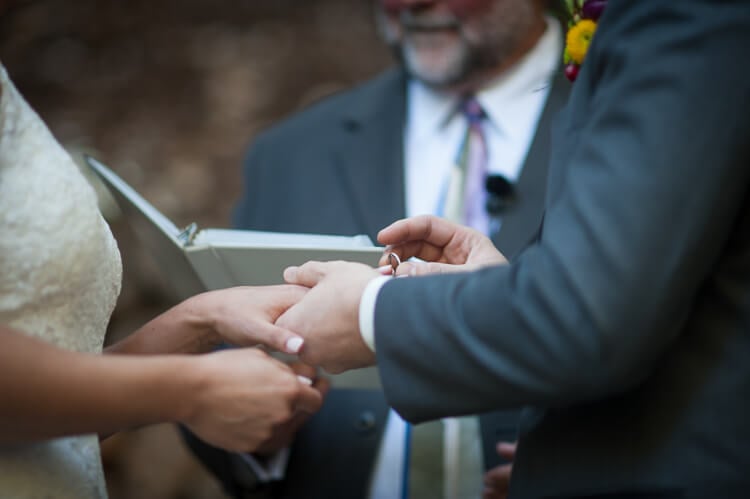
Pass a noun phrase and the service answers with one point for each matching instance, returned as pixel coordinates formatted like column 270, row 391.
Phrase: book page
column 234, row 237
column 256, row 265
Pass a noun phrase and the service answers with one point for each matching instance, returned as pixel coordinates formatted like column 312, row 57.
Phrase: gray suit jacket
column 337, row 168
column 627, row 325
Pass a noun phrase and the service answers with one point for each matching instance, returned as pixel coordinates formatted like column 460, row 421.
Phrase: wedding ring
column 395, row 261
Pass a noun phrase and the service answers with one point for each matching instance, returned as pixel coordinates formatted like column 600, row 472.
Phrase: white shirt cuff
column 367, row 310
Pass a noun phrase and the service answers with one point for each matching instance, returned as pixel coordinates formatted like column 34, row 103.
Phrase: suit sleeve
column 650, row 172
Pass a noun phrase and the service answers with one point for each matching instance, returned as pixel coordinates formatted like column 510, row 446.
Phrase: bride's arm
column 232, row 399
column 47, row 391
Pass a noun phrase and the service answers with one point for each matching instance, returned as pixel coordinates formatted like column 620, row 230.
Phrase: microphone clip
column 501, row 194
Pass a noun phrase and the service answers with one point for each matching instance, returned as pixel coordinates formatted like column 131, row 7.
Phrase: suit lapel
column 368, row 155
column 521, row 223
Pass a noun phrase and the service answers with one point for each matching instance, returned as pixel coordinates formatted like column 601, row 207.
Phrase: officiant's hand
column 443, row 245
column 327, row 317
column 497, row 480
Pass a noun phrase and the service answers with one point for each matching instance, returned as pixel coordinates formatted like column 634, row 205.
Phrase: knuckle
column 268, row 432
column 282, row 415
column 289, row 387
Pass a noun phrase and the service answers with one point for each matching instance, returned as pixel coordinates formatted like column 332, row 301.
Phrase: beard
column 444, row 65
column 442, row 52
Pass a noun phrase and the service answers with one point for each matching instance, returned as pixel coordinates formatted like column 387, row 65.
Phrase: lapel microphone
column 500, row 194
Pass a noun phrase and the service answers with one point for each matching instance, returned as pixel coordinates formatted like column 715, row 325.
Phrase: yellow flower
column 578, row 39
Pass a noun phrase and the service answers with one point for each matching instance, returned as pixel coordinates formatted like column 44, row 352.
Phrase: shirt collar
column 428, row 110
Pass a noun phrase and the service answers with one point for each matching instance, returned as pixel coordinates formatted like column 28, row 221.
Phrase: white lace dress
column 60, row 276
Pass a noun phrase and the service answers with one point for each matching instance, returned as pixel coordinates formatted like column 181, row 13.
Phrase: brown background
column 170, row 93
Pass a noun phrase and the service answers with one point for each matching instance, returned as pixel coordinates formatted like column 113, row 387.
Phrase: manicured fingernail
column 304, row 380
column 294, row 344
column 385, row 269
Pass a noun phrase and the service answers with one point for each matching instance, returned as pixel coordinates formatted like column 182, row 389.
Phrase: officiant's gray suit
column 627, row 324
column 337, row 168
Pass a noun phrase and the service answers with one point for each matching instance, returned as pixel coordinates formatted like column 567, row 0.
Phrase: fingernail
column 304, row 380
column 294, row 344
column 385, row 269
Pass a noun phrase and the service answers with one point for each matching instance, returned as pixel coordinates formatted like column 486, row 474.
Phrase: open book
column 194, row 260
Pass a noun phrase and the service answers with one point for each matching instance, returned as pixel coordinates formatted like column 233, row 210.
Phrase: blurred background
column 170, row 94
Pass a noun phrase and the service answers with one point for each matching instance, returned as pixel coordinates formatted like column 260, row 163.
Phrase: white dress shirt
column 434, row 129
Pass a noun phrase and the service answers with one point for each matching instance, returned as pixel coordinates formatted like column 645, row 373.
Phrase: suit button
column 365, row 422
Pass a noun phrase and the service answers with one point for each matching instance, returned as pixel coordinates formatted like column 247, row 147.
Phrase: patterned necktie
column 466, row 196
column 446, row 459
column 462, row 450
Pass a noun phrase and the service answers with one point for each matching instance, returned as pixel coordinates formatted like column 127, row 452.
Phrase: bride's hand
column 245, row 315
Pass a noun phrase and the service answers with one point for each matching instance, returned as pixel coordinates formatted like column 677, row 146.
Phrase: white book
column 194, row 260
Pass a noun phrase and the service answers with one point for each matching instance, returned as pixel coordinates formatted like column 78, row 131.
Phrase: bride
column 59, row 279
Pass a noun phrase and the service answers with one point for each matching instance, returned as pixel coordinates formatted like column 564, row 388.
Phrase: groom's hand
column 328, row 315
column 443, row 245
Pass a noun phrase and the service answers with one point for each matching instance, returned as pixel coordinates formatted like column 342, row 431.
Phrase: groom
column 625, row 326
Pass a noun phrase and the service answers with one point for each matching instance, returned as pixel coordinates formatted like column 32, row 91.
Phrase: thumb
column 308, row 275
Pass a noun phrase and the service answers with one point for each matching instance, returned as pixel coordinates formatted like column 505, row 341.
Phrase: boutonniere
column 584, row 14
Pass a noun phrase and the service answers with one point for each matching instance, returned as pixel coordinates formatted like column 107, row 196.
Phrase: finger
column 437, row 231
column 498, row 477
column 284, row 295
column 307, row 275
column 426, row 268
column 274, row 337
column 323, row 385
column 490, row 493
column 308, row 400
column 290, row 295
column 419, row 249
column 385, row 269
column 506, row 450
column 305, row 370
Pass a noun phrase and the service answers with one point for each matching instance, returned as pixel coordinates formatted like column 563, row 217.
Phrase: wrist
column 182, row 382
column 198, row 315
column 141, row 390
